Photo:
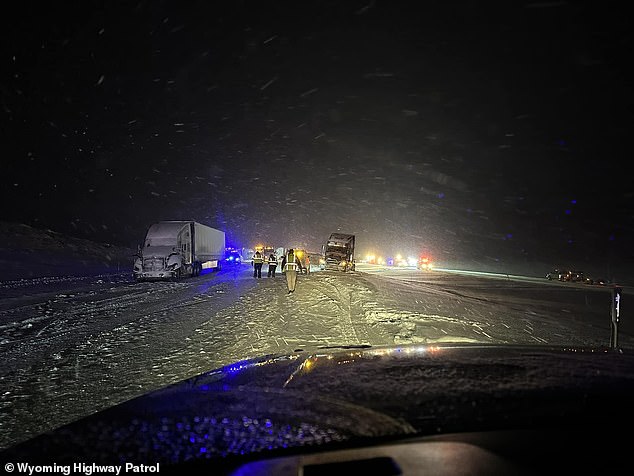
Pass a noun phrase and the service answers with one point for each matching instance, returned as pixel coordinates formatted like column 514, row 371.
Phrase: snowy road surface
column 72, row 346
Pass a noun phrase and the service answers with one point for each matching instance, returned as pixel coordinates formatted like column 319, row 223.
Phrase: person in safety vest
column 272, row 265
column 257, row 264
column 290, row 267
column 307, row 265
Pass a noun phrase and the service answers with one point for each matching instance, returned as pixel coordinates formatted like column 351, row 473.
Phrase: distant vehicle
column 555, row 274
column 573, row 276
column 402, row 262
column 233, row 257
column 266, row 251
column 339, row 252
column 425, row 263
column 597, row 281
column 175, row 249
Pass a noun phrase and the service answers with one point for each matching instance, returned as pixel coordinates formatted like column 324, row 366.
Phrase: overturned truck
column 338, row 252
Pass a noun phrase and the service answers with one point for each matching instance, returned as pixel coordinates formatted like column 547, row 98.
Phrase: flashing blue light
column 203, row 450
column 192, row 439
column 509, row 235
column 568, row 212
column 573, row 201
column 441, row 195
column 236, row 367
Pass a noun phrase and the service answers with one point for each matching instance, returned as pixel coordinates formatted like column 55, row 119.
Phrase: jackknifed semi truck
column 338, row 252
column 176, row 249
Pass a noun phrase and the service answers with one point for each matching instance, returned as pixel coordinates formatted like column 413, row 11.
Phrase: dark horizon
column 486, row 131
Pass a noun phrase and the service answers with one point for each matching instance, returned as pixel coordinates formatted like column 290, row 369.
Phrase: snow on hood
column 157, row 251
column 324, row 398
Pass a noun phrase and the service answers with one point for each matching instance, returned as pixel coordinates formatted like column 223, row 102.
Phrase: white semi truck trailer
column 176, row 249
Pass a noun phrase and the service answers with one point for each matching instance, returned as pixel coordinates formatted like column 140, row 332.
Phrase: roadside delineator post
column 616, row 314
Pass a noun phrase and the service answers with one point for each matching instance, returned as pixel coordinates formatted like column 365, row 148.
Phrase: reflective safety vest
column 273, row 261
column 290, row 264
column 257, row 258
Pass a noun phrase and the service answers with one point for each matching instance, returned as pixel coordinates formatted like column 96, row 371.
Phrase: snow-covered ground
column 73, row 344
column 27, row 252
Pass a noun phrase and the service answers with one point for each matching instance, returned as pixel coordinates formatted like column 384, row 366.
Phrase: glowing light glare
column 422, row 349
column 380, row 260
column 208, row 265
column 411, row 261
column 424, row 263
column 398, row 257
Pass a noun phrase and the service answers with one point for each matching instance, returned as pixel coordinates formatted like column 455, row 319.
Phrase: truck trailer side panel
column 209, row 243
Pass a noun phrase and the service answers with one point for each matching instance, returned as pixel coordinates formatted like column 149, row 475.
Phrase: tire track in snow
column 72, row 318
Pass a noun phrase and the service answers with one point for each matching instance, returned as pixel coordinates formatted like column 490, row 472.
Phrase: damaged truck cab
column 175, row 249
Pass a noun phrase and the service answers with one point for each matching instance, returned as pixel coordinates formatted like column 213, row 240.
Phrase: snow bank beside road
column 27, row 252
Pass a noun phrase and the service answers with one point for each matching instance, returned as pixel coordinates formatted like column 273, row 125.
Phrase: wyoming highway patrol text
column 86, row 468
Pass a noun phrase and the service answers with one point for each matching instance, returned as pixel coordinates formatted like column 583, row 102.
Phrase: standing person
column 257, row 264
column 272, row 265
column 290, row 266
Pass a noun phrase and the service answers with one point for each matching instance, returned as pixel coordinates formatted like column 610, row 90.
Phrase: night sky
column 497, row 132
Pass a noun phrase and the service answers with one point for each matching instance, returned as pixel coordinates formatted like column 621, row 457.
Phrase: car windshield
column 442, row 171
